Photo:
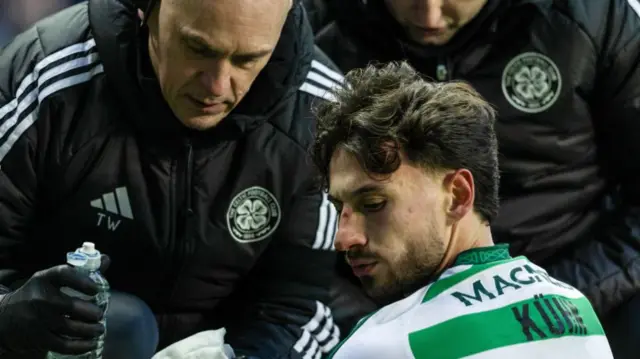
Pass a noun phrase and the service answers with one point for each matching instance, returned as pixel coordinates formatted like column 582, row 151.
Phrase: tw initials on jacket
column 116, row 205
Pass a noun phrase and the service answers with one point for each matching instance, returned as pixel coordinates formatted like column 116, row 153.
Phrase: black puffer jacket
column 565, row 78
column 211, row 229
column 320, row 12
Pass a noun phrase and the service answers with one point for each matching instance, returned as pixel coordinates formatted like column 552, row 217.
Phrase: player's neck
column 468, row 234
column 479, row 235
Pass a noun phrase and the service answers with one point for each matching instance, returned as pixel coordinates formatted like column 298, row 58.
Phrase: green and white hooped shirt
column 488, row 305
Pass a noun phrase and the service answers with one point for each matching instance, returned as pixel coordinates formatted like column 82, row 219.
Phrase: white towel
column 204, row 345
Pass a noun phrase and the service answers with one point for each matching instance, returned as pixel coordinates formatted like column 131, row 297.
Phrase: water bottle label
column 77, row 259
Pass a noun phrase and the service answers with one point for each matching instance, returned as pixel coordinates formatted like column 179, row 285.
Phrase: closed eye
column 374, row 206
column 245, row 61
column 202, row 51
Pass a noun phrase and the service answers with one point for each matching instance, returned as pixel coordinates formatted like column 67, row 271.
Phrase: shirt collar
column 483, row 255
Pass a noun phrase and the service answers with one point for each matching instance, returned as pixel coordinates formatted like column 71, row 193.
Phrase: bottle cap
column 93, row 256
column 89, row 248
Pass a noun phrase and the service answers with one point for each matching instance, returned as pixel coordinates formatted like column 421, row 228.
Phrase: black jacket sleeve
column 20, row 108
column 607, row 268
column 286, row 315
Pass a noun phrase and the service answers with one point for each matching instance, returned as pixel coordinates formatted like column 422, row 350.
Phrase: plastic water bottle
column 87, row 258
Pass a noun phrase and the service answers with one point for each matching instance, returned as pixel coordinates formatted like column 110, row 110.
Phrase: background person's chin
column 202, row 122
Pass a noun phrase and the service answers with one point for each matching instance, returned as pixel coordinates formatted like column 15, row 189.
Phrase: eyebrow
column 191, row 37
column 370, row 188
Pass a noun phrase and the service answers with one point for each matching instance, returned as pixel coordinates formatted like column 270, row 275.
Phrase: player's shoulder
column 484, row 279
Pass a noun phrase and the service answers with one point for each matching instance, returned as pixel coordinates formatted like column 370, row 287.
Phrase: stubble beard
column 416, row 270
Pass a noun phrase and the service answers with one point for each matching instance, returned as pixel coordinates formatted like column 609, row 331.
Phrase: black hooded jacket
column 221, row 228
column 565, row 79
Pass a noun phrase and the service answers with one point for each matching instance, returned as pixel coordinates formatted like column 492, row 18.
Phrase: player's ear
column 460, row 190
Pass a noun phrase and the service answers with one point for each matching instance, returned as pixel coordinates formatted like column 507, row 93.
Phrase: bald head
column 281, row 4
column 207, row 53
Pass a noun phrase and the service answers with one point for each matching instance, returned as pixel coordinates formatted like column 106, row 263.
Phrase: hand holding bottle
column 38, row 317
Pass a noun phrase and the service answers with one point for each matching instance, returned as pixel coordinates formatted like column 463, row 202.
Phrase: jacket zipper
column 182, row 219
column 188, row 212
column 170, row 247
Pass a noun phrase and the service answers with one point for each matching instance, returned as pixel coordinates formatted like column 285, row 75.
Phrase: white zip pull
column 441, row 72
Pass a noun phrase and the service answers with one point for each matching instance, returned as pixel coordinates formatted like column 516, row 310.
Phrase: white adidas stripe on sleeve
column 327, row 223
column 321, row 81
column 330, row 73
column 50, row 75
column 318, row 92
column 635, row 5
column 320, row 335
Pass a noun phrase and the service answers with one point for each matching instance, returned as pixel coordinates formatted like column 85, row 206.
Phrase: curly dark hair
column 385, row 109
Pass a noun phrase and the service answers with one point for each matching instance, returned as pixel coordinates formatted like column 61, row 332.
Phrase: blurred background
column 18, row 15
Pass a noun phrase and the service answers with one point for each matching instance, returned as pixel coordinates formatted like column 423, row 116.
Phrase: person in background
column 17, row 15
column 412, row 167
column 173, row 134
column 564, row 77
column 320, row 12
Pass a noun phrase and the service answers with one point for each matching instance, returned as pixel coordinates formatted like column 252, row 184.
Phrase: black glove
column 38, row 318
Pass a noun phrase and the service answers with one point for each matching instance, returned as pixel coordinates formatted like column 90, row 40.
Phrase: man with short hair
column 173, row 134
column 564, row 77
column 412, row 168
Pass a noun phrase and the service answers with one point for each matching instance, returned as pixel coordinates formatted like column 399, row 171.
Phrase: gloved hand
column 38, row 317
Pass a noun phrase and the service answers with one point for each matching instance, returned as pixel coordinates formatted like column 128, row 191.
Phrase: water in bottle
column 87, row 258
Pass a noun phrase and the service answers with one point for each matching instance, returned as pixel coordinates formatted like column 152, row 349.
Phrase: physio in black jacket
column 565, row 79
column 173, row 134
